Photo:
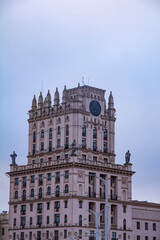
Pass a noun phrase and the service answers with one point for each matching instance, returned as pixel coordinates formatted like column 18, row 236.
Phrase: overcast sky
column 114, row 45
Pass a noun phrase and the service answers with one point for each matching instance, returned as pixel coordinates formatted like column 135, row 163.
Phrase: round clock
column 95, row 108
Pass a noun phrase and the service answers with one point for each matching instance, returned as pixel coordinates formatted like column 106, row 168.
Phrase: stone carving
column 13, row 156
column 127, row 156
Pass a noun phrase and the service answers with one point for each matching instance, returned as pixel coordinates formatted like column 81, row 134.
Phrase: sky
column 109, row 44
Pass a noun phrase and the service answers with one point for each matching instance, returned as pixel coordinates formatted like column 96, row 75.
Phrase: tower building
column 71, row 147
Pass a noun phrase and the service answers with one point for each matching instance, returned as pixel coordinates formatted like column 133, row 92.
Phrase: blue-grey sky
column 114, row 45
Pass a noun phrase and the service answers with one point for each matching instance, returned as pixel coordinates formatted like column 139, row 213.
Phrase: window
column 66, row 156
column 32, row 179
column 124, row 236
column 32, row 192
column 47, row 234
column 83, row 157
column 23, row 209
column 57, row 219
column 31, row 221
column 34, row 136
column 124, row 208
column 47, row 219
column 94, row 145
column 80, row 233
column 105, row 160
column 94, row 132
column 57, row 191
column 80, row 220
column 49, row 177
column 105, row 134
column 23, row 221
column 124, row 224
column 58, row 143
column 24, row 181
column 138, row 225
column 14, row 236
column 42, row 146
column 50, row 146
column 57, row 204
column 41, row 160
column 49, row 190
column 48, row 205
column 146, row 225
column 80, row 204
column 67, row 130
column 65, row 204
column 65, row 218
column 154, row 226
column 33, row 161
column 83, row 143
column 113, row 235
column 59, row 130
column 38, row 235
column 15, row 209
column 40, row 179
column 138, row 237
column 34, row 148
column 40, row 193
column 42, row 133
column 39, row 207
column 57, row 177
column 66, row 190
column 66, row 174
column 22, row 235
column 58, row 158
column 84, row 130
column 14, row 222
column 50, row 133
column 56, row 235
column 105, row 150
column 146, row 237
column 24, row 195
column 91, row 236
column 30, row 235
column 31, row 207
column 154, row 238
column 39, row 219
column 65, row 233
column 67, row 143
column 16, row 181
column 94, row 159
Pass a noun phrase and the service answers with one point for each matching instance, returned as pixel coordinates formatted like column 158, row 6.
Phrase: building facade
column 70, row 147
column 4, row 225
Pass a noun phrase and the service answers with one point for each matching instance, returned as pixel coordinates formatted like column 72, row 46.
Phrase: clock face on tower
column 95, row 108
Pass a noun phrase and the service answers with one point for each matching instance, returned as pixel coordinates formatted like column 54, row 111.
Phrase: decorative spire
column 34, row 103
column 40, row 100
column 56, row 98
column 48, row 99
column 110, row 101
column 64, row 95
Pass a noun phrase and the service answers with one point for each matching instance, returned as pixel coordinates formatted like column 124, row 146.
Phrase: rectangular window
column 24, row 181
column 34, row 148
column 91, row 236
column 14, row 236
column 57, row 219
column 80, row 204
column 23, row 221
column 47, row 219
column 80, row 233
column 105, row 147
column 49, row 177
column 146, row 225
column 94, row 145
column 154, row 238
column 65, row 233
column 83, row 157
column 22, row 235
column 65, row 204
column 50, row 146
column 124, row 236
column 40, row 179
column 23, row 208
column 32, row 179
column 154, row 226
column 124, row 208
column 16, row 181
column 50, row 133
column 30, row 235
column 83, row 143
column 58, row 143
column 34, row 136
column 138, row 225
column 42, row 146
column 138, row 237
column 31, row 221
column 113, row 235
column 66, row 156
column 41, row 160
column 146, row 237
column 14, row 222
column 66, row 174
column 59, row 130
column 56, row 235
column 57, row 177
column 58, row 158
column 94, row 159
column 15, row 209
column 48, row 205
column 31, row 207
column 39, row 219
column 47, row 234
column 67, row 143
column 39, row 206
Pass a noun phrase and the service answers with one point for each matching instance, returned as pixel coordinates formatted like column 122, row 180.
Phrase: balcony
column 39, row 210
column 92, row 224
column 92, row 194
column 23, row 212
column 114, row 226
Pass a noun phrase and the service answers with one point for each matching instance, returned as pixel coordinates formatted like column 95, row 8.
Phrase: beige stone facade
column 4, row 225
column 71, row 145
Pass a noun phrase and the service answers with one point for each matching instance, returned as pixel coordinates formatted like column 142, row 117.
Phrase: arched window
column 94, row 132
column 34, row 136
column 49, row 190
column 66, row 190
column 57, row 191
column 32, row 192
column 67, row 130
column 42, row 133
column 65, row 218
column 50, row 133
column 24, row 195
column 80, row 220
column 16, row 195
column 124, row 224
column 105, row 134
column 84, row 130
column 40, row 192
